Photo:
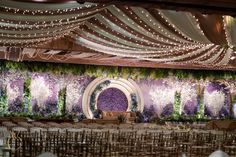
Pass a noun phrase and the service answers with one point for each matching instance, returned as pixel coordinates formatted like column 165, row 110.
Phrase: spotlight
column 232, row 58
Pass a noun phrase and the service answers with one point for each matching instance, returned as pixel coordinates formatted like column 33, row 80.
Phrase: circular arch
column 128, row 87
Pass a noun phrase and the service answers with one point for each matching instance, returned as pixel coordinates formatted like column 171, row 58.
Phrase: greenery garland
column 27, row 95
column 3, row 100
column 201, row 107
column 62, row 102
column 177, row 105
column 98, row 89
column 201, row 111
column 134, row 103
column 109, row 71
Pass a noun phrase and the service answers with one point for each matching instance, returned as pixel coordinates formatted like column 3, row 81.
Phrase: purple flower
column 15, row 98
column 215, row 86
column 16, row 105
column 190, row 108
column 167, row 110
column 148, row 113
column 112, row 99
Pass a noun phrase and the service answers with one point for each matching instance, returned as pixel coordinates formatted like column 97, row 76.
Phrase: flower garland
column 124, row 72
column 97, row 90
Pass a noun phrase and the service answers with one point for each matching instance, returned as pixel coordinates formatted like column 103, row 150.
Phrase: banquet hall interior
column 124, row 78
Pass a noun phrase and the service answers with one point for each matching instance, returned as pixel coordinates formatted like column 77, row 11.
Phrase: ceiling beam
column 66, row 43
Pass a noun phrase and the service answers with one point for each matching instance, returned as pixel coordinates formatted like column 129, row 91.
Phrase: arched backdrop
column 95, row 88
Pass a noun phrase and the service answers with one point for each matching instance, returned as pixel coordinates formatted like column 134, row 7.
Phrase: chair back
column 47, row 154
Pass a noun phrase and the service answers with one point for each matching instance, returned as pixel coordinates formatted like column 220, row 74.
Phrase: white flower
column 73, row 93
column 12, row 93
column 214, row 101
column 188, row 93
column 161, row 96
column 40, row 91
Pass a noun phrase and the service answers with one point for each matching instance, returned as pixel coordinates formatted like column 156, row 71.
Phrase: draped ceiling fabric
column 158, row 36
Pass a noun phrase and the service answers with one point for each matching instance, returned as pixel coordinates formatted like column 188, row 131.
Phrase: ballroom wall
column 46, row 89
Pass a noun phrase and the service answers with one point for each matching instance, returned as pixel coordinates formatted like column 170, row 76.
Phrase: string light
column 131, row 33
column 153, row 23
column 227, row 34
column 43, row 30
column 197, row 27
column 137, row 27
column 49, row 12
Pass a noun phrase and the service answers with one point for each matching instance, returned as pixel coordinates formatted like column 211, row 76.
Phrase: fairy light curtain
column 146, row 34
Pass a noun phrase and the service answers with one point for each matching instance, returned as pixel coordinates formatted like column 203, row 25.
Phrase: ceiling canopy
column 92, row 33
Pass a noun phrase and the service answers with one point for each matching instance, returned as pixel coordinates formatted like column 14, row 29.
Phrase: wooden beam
column 128, row 62
column 65, row 43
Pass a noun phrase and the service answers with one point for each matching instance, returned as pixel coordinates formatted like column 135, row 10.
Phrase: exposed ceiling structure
column 124, row 35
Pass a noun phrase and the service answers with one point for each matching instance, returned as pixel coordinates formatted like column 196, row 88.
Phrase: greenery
column 27, row 95
column 201, row 109
column 179, row 117
column 22, row 114
column 189, row 119
column 3, row 100
column 177, row 104
column 36, row 116
column 62, row 101
column 125, row 72
column 95, row 92
column 109, row 71
column 134, row 103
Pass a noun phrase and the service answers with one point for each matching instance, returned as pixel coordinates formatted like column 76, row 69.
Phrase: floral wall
column 44, row 93
column 216, row 100
column 15, row 93
column 60, row 90
column 160, row 98
column 74, row 92
column 112, row 99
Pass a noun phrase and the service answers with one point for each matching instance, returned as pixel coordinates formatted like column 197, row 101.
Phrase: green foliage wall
column 109, row 71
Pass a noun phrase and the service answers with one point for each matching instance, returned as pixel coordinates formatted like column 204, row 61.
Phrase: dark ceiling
column 226, row 7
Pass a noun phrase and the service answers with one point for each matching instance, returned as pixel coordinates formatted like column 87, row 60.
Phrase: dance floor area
column 110, row 140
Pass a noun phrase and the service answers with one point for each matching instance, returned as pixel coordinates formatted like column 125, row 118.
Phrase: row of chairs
column 112, row 143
